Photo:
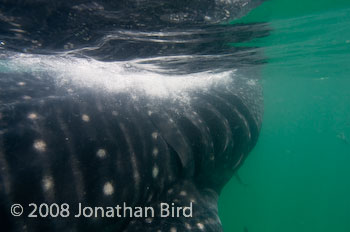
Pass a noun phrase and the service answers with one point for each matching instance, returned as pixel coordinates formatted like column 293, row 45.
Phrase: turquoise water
column 298, row 177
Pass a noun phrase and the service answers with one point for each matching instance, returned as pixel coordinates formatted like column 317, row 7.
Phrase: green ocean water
column 298, row 176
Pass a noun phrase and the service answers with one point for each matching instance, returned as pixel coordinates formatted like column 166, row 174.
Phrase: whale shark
column 124, row 115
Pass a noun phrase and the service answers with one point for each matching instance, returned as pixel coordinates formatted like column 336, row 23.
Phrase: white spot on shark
column 155, row 151
column 200, row 226
column 85, row 118
column 101, row 153
column 40, row 145
column 154, row 135
column 47, row 183
column 108, row 189
column 155, row 171
column 32, row 116
column 25, row 97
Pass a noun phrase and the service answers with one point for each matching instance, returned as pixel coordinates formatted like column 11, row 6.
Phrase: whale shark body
column 140, row 138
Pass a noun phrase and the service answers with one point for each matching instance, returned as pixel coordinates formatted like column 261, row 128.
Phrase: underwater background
column 298, row 178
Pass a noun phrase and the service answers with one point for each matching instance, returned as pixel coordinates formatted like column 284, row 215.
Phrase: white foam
column 114, row 76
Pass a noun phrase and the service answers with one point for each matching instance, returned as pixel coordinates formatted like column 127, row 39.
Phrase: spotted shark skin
column 63, row 145
column 67, row 143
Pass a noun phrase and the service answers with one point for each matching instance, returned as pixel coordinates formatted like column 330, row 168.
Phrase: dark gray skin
column 50, row 152
column 68, row 143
